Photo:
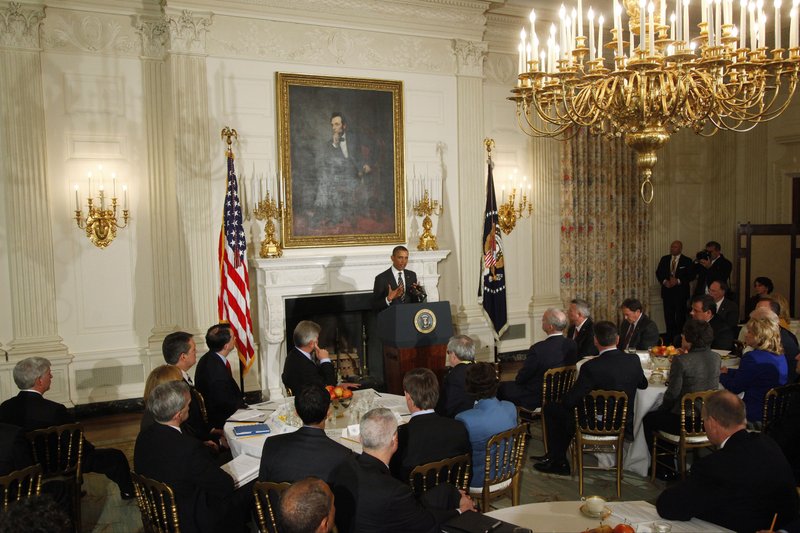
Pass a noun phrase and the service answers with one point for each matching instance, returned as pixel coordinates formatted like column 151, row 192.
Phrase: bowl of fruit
column 661, row 356
column 340, row 397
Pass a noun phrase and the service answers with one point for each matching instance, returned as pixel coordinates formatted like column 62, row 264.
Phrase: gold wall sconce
column 509, row 211
column 101, row 221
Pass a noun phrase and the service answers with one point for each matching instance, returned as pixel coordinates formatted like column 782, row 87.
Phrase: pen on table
column 493, row 526
column 252, row 436
column 774, row 519
column 377, row 393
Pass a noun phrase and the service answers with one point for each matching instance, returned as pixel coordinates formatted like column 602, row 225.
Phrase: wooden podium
column 413, row 335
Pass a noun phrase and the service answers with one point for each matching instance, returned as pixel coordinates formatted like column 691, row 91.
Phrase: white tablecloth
column 279, row 422
column 566, row 517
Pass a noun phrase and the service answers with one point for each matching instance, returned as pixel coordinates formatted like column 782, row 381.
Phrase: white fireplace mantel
column 318, row 272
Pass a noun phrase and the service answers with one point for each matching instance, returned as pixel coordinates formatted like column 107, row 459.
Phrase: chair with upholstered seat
column 268, row 495
column 505, row 455
column 455, row 471
column 692, row 435
column 59, row 452
column 21, row 484
column 600, row 427
column 157, row 504
column 555, row 384
column 776, row 401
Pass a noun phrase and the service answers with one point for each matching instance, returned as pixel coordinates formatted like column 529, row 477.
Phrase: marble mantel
column 318, row 272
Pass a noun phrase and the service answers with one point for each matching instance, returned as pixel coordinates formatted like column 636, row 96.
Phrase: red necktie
column 228, row 366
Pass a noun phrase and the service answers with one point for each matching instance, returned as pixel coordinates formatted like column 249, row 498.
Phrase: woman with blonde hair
column 760, row 369
column 160, row 374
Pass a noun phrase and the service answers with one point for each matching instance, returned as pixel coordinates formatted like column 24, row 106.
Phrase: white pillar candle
column 742, row 23
column 580, row 18
column 672, row 27
column 718, row 22
column 686, row 32
column 642, row 26
column 703, row 11
column 600, row 21
column 534, row 37
column 793, row 27
column 651, row 37
column 777, row 23
column 590, row 17
column 662, row 12
column 710, row 24
column 676, row 31
column 125, row 195
column 753, row 28
column 77, row 202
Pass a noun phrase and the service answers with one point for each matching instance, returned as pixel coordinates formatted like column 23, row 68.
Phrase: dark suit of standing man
column 388, row 290
column 556, row 350
column 307, row 363
column 31, row 410
column 674, row 273
column 637, row 331
column 454, row 397
column 581, row 327
column 715, row 268
column 204, row 493
column 612, row 370
column 307, row 451
column 215, row 378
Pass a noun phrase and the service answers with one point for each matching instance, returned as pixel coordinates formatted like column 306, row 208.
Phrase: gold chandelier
column 663, row 78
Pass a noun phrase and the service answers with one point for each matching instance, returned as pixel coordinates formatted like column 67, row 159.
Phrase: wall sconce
column 101, row 220
column 508, row 212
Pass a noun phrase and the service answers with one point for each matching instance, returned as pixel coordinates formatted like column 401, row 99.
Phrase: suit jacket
column 30, row 410
column 336, row 166
column 739, row 487
column 611, row 370
column 758, row 372
column 790, row 351
column 554, row 351
column 723, row 334
column 427, row 438
column 369, row 499
column 300, row 454
column 299, row 371
column 454, row 397
column 585, row 339
column 728, row 311
column 720, row 270
column 683, row 272
column 644, row 336
column 219, row 389
column 785, row 430
column 694, row 371
column 15, row 452
column 195, row 424
column 489, row 417
column 203, row 491
column 380, row 290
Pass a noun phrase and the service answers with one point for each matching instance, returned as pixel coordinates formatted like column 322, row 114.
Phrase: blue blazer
column 489, row 417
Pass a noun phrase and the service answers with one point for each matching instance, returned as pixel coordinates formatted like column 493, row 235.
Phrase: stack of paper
column 248, row 415
column 243, row 469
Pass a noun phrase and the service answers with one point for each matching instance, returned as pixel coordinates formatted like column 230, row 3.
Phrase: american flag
column 492, row 290
column 234, row 289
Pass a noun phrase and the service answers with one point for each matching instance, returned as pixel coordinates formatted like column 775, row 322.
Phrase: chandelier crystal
column 663, row 79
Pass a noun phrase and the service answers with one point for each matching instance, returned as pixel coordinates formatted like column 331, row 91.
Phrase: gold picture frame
column 341, row 193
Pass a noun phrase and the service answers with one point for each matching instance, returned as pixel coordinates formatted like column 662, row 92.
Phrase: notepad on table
column 243, row 469
column 248, row 415
column 251, row 429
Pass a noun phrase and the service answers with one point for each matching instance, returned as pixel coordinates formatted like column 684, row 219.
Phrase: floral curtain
column 604, row 225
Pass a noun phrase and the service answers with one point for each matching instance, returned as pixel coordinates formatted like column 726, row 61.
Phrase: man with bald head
column 674, row 273
column 307, row 507
column 556, row 350
column 742, row 484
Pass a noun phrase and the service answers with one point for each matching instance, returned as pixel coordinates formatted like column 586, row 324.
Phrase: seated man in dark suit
column 581, row 328
column 307, row 363
column 556, row 350
column 215, row 378
column 307, row 451
column 637, row 331
column 31, row 410
column 370, row 500
column 204, row 493
column 454, row 397
column 741, row 485
column 704, row 308
column 397, row 284
column 307, row 507
column 612, row 370
column 427, row 437
column 727, row 309
column 788, row 339
column 785, row 430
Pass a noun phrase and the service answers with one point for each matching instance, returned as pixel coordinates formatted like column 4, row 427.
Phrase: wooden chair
column 455, row 471
column 505, row 455
column 156, row 502
column 776, row 401
column 692, row 435
column 197, row 397
column 268, row 495
column 59, row 452
column 21, row 484
column 557, row 382
column 600, row 427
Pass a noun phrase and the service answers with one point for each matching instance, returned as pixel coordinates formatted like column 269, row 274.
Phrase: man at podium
column 396, row 285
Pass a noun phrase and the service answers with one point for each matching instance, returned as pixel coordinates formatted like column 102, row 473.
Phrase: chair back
column 268, row 496
column 602, row 413
column 776, row 401
column 197, row 397
column 455, row 471
column 691, row 413
column 557, row 382
column 505, row 454
column 21, row 484
column 156, row 502
column 59, row 450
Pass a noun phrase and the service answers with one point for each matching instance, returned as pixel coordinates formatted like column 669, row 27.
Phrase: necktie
column 628, row 336
column 575, row 334
column 228, row 366
column 401, row 284
column 674, row 266
column 189, row 380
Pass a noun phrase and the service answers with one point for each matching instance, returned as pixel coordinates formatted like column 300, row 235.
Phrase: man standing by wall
column 674, row 273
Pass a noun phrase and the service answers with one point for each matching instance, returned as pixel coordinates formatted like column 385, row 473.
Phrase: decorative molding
column 19, row 27
column 188, row 32
column 155, row 36
column 501, row 69
column 90, row 32
column 469, row 57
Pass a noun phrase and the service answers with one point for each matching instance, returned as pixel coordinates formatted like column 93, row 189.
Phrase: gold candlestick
column 425, row 208
column 268, row 209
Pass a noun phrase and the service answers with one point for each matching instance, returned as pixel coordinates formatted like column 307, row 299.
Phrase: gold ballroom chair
column 776, row 401
column 455, row 471
column 557, row 382
column 268, row 495
column 157, row 504
column 505, row 455
column 21, row 484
